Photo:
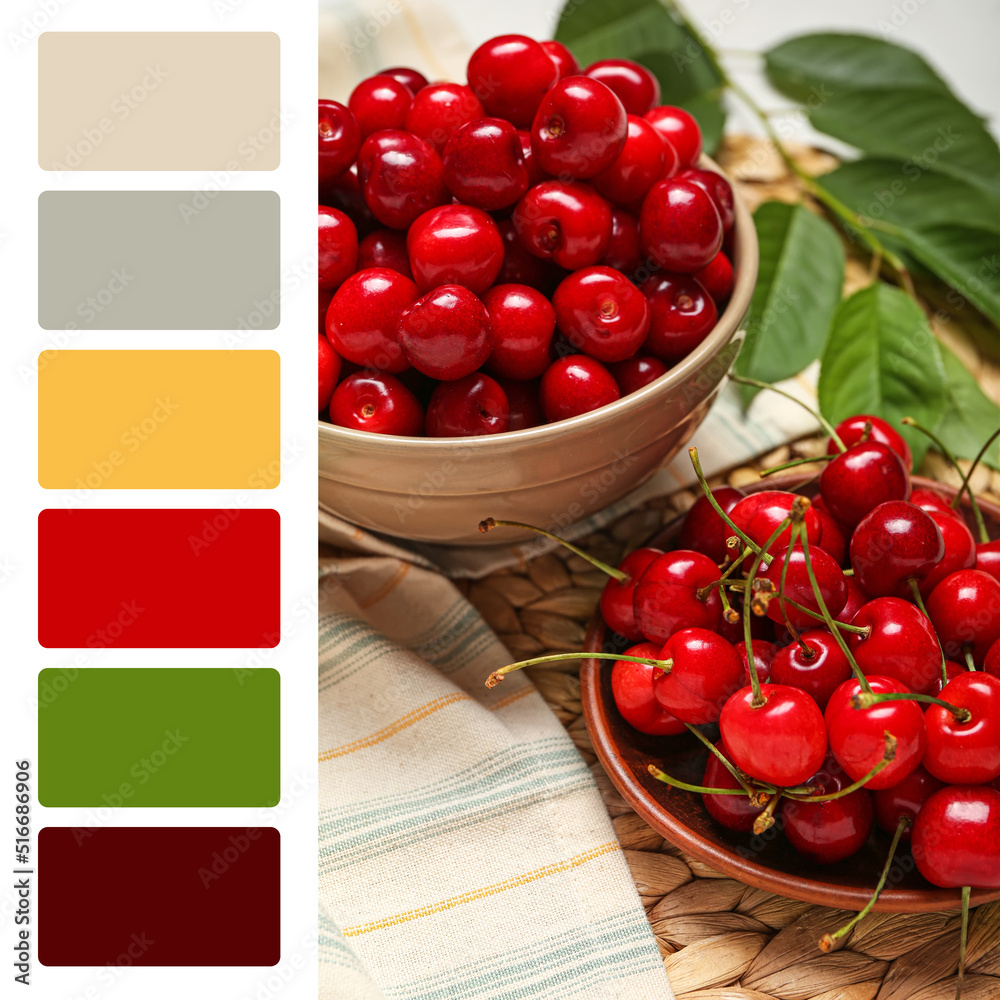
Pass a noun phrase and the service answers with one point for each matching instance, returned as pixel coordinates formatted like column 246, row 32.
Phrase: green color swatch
column 158, row 737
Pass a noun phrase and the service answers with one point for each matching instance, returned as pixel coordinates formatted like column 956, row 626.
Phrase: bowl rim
column 749, row 872
column 746, row 262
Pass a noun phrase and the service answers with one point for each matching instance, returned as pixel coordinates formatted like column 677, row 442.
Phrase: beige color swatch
column 158, row 100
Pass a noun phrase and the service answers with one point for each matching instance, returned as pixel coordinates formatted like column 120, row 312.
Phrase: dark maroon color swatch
column 159, row 578
column 158, row 896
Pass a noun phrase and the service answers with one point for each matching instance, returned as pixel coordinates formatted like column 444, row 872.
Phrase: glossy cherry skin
column 579, row 129
column 339, row 140
column 634, row 85
column 484, row 164
column 703, row 530
column 904, row 799
column 901, row 643
column 864, row 476
column 665, row 597
column 521, row 267
column 576, row 384
column 952, row 670
column 832, row 538
column 329, row 372
column 798, row 586
column 412, row 79
column 523, row 322
column 680, row 130
column 344, row 192
column 783, row 742
column 564, row 59
column 988, row 558
column 455, row 245
column 718, row 189
column 511, row 74
column 566, row 222
column 681, row 315
column 401, row 183
column 759, row 514
column 857, row 736
column 632, row 689
column 377, row 403
column 337, row 248
column 439, row 109
column 446, row 333
column 965, row 610
column 467, row 407
column 818, row 675
column 363, row 318
column 735, row 812
column 894, row 543
column 851, row 431
column 679, row 226
column 959, row 549
column 380, row 102
column 828, row 832
column 705, row 671
column 717, row 278
column 927, row 499
column 617, row 604
column 637, row 372
column 956, row 837
column 385, row 248
column 623, row 248
column 965, row 753
column 639, row 165
column 856, row 600
column 760, row 628
column 991, row 663
column 525, row 406
column 763, row 657
column 601, row 313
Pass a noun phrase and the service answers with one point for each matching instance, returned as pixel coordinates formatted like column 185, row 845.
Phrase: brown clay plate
column 766, row 862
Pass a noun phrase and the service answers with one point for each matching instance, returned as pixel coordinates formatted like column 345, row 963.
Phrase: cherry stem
column 742, row 778
column 864, row 630
column 707, row 490
column 919, row 601
column 887, row 758
column 832, row 625
column 827, row 941
column 704, row 592
column 823, row 422
column 498, row 675
column 796, row 462
column 700, row 789
column 616, row 574
column 784, row 609
column 867, row 700
column 963, row 940
column 969, row 662
column 765, row 820
column 965, row 488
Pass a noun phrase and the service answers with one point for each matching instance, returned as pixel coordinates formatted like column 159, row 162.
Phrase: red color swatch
column 158, row 896
column 159, row 578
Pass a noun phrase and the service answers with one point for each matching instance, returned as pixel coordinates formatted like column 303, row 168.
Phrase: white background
column 295, row 498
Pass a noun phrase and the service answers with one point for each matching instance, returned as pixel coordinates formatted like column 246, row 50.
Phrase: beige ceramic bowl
column 438, row 489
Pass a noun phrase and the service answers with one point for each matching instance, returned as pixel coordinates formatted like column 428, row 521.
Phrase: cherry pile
column 518, row 249
column 843, row 654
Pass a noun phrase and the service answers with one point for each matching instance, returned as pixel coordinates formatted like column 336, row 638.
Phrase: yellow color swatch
column 158, row 420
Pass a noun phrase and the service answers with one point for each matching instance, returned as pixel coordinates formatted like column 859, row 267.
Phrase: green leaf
column 881, row 357
column 797, row 292
column 970, row 416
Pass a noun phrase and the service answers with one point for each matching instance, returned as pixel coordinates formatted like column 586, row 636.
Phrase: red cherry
column 828, row 832
column 798, row 586
column 579, row 129
column 564, row 221
column 705, row 671
column 782, row 742
column 894, row 543
column 521, row 267
column 401, row 183
column 484, row 164
column 856, row 600
column 380, row 102
column 904, row 799
column 703, row 530
column 466, row 407
column 385, row 248
column 717, row 278
column 735, row 812
column 991, row 663
column 666, row 596
column 338, row 248
column 857, row 736
column 635, row 86
column 535, row 173
column 965, row 753
column 965, row 610
column 956, row 837
column 617, row 607
column 576, row 384
column 601, row 313
column 718, row 189
column 681, row 315
column 852, row 430
column 759, row 514
column 636, row 373
column 345, row 193
column 679, row 226
column 927, row 499
column 525, row 406
column 329, row 372
column 339, row 140
column 413, row 80
column 900, row 644
column 511, row 74
column 623, row 248
column 680, row 130
column 988, row 558
column 325, row 297
column 377, row 403
column 860, row 479
column 819, row 674
column 446, row 334
column 439, row 109
column 952, row 670
column 523, row 322
column 763, row 656
column 959, row 549
column 760, row 628
column 632, row 689
column 455, row 245
column 831, row 538
column 638, row 166
column 363, row 318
